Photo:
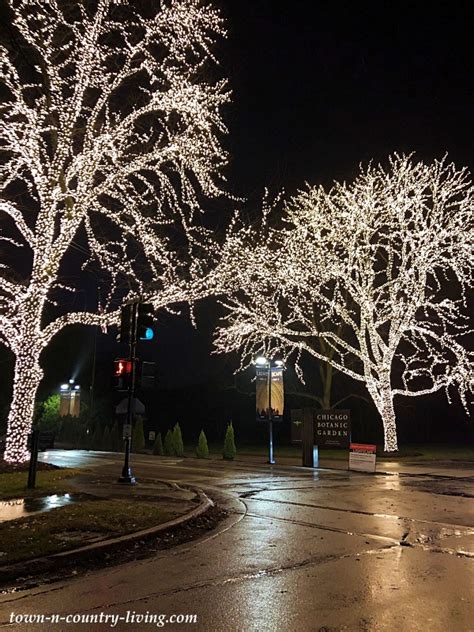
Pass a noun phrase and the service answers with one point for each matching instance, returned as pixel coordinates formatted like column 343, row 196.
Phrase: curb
column 39, row 564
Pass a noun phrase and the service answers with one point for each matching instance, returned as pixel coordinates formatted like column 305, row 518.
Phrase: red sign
column 363, row 447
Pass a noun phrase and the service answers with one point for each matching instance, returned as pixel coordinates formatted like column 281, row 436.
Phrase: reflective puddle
column 22, row 507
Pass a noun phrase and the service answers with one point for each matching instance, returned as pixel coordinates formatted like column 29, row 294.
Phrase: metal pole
column 33, row 459
column 70, row 400
column 127, row 476
column 271, row 460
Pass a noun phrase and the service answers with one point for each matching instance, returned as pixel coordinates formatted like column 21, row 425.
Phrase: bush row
column 109, row 438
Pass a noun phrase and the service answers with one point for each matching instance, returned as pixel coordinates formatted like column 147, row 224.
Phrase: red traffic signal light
column 123, row 367
column 123, row 370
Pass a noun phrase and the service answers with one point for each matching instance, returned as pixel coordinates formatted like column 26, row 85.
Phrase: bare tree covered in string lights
column 110, row 130
column 378, row 269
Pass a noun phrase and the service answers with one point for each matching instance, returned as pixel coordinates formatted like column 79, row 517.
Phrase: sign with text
column 332, row 428
column 362, row 457
column 270, row 394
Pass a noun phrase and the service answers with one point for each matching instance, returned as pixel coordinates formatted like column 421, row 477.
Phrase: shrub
column 75, row 432
column 96, row 442
column 65, row 432
column 116, row 438
column 50, row 421
column 158, row 445
column 83, row 440
column 169, row 444
column 138, row 436
column 178, row 444
column 89, row 438
column 202, row 450
column 106, row 439
column 229, row 451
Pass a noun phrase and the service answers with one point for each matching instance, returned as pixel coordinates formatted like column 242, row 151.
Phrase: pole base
column 127, row 480
column 271, row 462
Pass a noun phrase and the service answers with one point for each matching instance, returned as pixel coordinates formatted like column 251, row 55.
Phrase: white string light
column 112, row 128
column 377, row 269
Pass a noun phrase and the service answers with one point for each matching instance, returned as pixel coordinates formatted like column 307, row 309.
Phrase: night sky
column 319, row 87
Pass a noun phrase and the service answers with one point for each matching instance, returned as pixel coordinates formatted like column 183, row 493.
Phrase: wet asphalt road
column 301, row 550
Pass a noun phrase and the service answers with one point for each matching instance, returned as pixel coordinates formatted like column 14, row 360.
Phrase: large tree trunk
column 28, row 375
column 387, row 412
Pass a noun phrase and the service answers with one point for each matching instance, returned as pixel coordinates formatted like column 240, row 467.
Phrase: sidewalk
column 406, row 466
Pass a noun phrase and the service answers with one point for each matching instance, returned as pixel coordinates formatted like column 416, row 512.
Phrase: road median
column 102, row 522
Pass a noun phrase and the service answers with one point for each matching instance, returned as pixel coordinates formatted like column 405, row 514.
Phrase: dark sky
column 320, row 86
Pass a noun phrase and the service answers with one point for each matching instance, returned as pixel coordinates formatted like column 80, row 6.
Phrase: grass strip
column 73, row 526
column 13, row 484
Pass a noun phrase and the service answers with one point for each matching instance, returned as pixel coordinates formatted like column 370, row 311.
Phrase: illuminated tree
column 109, row 132
column 377, row 269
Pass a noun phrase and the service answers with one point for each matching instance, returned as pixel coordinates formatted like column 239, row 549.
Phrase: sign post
column 310, row 450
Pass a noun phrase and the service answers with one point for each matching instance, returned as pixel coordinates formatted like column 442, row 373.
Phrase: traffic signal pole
column 127, row 477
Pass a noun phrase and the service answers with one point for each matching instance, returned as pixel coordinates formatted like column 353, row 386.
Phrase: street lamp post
column 70, row 399
column 265, row 363
column 271, row 460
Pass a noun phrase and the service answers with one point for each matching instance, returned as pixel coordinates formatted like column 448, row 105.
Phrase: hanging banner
column 269, row 394
column 70, row 403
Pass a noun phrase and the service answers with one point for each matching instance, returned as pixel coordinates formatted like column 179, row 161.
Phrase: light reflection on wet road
column 301, row 550
column 21, row 507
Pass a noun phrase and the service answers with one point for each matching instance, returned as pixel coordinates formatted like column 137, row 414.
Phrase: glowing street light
column 261, row 362
column 70, row 399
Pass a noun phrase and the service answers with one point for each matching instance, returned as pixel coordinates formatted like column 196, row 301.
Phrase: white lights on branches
column 377, row 269
column 111, row 129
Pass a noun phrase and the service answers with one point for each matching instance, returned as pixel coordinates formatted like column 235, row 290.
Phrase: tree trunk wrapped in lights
column 377, row 269
column 110, row 138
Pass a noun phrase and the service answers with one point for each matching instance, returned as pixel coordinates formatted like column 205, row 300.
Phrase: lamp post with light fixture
column 70, row 401
column 264, row 363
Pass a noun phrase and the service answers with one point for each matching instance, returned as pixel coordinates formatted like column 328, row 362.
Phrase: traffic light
column 146, row 376
column 145, row 321
column 122, row 374
column 126, row 323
